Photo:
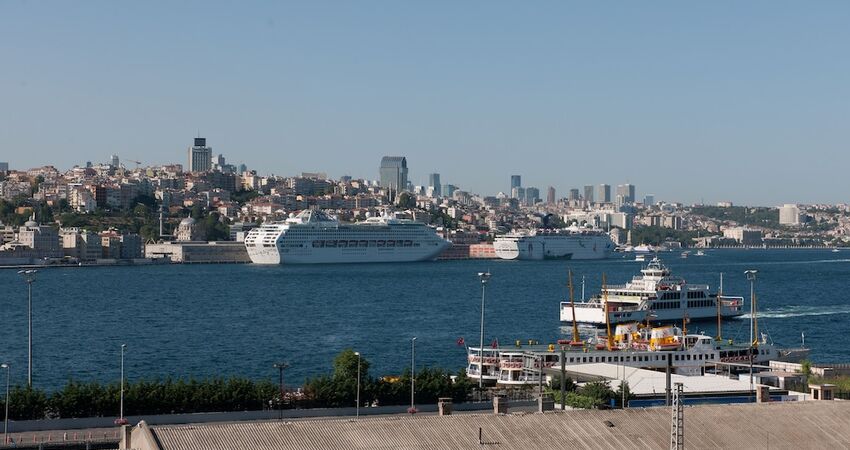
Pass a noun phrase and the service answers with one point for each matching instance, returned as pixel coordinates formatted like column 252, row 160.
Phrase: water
column 202, row 320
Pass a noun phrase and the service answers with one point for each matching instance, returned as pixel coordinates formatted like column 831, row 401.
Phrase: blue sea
column 222, row 320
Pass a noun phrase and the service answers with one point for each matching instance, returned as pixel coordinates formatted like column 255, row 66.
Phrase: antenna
column 677, row 428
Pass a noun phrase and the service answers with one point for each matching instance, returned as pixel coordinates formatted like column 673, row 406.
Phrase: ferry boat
column 655, row 294
column 631, row 345
column 574, row 242
column 314, row 237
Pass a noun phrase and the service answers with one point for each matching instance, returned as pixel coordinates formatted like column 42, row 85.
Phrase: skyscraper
column 113, row 161
column 550, row 195
column 649, row 200
column 627, row 191
column 573, row 194
column 516, row 181
column 532, row 195
column 588, row 193
column 393, row 172
column 604, row 193
column 200, row 156
column 434, row 184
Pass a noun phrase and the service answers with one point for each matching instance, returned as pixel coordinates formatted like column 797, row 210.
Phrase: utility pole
column 412, row 373
column 677, row 429
column 29, row 278
column 280, row 368
column 563, row 379
column 485, row 277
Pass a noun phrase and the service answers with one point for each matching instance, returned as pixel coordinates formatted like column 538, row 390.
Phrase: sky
column 691, row 101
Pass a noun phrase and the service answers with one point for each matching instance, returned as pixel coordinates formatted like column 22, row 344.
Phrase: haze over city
column 688, row 102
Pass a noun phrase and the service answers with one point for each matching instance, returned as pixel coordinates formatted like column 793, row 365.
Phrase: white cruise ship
column 314, row 237
column 657, row 293
column 569, row 243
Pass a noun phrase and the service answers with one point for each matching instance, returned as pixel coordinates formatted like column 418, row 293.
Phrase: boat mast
column 719, row 312
column 573, row 306
column 607, row 318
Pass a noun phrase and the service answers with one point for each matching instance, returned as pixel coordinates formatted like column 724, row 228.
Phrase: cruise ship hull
column 342, row 256
column 575, row 247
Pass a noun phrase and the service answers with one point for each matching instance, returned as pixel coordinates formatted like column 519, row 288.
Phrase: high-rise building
column 518, row 193
column 627, row 192
column 448, row 189
column 393, row 172
column 4, row 167
column 550, row 195
column 532, row 195
column 200, row 156
column 604, row 193
column 789, row 214
column 434, row 184
column 649, row 200
column 588, row 193
column 574, row 195
column 516, row 181
column 113, row 161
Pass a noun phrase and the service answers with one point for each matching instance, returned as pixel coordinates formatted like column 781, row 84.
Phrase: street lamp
column 121, row 420
column 412, row 373
column 280, row 367
column 29, row 278
column 751, row 276
column 357, row 408
column 6, row 417
column 485, row 277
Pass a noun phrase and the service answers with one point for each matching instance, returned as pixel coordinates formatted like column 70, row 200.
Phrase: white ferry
column 632, row 345
column 655, row 293
column 569, row 243
column 314, row 237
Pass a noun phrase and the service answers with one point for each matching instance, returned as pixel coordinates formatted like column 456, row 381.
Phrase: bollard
column 444, row 405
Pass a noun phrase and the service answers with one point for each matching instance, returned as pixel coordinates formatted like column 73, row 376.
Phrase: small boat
column 699, row 253
column 685, row 254
column 640, row 258
column 835, row 250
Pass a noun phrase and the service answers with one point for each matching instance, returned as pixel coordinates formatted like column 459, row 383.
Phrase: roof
column 642, row 381
column 813, row 424
column 393, row 161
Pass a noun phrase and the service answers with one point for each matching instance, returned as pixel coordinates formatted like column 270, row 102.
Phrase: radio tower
column 677, row 429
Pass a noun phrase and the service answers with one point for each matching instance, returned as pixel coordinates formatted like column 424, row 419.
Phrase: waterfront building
column 550, row 195
column 604, row 193
column 622, row 220
column 199, row 252
column 434, row 185
column 393, row 172
column 81, row 244
column 789, row 214
column 743, row 235
column 200, row 156
column 627, row 192
column 131, row 246
column 44, row 240
column 588, row 193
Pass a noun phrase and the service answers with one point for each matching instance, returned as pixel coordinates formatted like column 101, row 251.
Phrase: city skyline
column 689, row 102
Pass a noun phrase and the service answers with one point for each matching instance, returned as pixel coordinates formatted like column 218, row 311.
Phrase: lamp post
column 29, row 278
column 485, row 277
column 121, row 419
column 751, row 276
column 412, row 373
column 280, row 368
column 357, row 408
column 6, row 417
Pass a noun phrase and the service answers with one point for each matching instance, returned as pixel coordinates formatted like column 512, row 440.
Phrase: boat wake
column 801, row 311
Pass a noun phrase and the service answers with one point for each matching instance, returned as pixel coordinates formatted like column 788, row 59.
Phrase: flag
column 460, row 341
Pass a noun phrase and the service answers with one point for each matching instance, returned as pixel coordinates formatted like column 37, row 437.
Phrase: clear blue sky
column 721, row 100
